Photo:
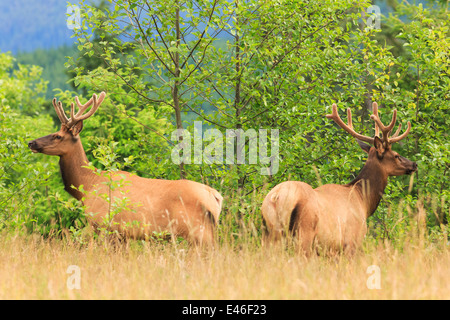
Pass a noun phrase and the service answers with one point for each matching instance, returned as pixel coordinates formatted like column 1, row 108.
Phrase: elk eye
column 58, row 137
column 397, row 156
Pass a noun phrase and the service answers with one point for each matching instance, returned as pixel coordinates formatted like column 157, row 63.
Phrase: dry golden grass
column 35, row 268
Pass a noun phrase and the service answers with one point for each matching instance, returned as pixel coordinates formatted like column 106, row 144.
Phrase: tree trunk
column 175, row 94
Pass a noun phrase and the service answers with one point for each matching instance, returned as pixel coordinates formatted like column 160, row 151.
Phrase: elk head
column 62, row 142
column 379, row 148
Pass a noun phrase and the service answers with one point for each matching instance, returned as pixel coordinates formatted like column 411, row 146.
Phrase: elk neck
column 73, row 172
column 371, row 182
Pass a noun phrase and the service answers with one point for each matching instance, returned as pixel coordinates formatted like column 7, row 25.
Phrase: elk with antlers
column 334, row 216
column 182, row 207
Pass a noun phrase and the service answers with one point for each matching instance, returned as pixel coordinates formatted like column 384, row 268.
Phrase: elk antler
column 385, row 130
column 60, row 112
column 349, row 127
column 79, row 116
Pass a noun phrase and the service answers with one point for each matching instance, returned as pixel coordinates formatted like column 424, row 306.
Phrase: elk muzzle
column 40, row 145
column 413, row 168
column 33, row 145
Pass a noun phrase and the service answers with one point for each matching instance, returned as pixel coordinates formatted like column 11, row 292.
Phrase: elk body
column 182, row 207
column 334, row 216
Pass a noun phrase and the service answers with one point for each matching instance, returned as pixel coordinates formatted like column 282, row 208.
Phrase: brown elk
column 182, row 207
column 334, row 216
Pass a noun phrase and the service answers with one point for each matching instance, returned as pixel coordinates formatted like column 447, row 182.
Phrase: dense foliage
column 239, row 65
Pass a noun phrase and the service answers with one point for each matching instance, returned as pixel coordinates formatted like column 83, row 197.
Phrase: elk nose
column 32, row 144
column 415, row 166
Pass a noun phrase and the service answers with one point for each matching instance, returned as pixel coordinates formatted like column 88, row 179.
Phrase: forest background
column 231, row 65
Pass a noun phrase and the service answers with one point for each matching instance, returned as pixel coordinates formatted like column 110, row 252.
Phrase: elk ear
column 364, row 146
column 76, row 129
column 378, row 144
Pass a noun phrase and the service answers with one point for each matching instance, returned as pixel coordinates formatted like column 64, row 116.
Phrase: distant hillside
column 26, row 25
column 52, row 61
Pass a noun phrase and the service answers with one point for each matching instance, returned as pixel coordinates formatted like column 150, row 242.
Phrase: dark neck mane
column 370, row 182
column 73, row 172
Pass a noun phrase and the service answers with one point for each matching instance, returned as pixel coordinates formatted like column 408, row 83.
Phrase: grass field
column 32, row 267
